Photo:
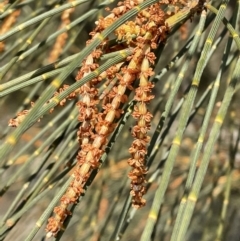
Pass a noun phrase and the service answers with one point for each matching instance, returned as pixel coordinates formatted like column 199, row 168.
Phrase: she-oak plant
column 116, row 77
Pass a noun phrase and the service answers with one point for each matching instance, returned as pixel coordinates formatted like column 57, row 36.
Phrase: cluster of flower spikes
column 95, row 127
column 150, row 28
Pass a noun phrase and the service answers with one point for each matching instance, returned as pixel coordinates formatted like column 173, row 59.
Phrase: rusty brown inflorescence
column 97, row 126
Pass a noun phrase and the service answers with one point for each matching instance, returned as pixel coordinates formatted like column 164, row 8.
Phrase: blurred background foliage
column 41, row 161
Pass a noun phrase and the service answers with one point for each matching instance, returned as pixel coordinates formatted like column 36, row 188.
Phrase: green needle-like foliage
column 94, row 93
